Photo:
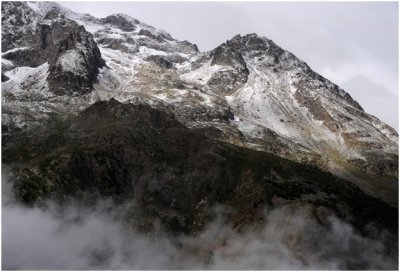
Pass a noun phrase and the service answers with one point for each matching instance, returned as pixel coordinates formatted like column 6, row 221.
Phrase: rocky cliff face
column 49, row 68
column 18, row 25
column 120, row 106
column 73, row 57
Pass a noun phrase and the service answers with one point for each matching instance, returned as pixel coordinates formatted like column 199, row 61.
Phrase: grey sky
column 354, row 44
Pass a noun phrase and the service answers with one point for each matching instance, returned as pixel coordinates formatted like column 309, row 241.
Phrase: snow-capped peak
column 249, row 88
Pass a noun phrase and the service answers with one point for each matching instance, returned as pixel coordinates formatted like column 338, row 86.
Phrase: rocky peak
column 248, row 92
column 227, row 81
column 268, row 88
column 73, row 55
column 253, row 46
column 53, row 14
column 57, row 34
column 67, row 47
column 266, row 51
column 226, row 54
column 124, row 33
column 249, row 42
column 121, row 21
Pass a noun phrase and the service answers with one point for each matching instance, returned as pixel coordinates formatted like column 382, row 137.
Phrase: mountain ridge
column 200, row 149
column 248, row 91
column 247, row 78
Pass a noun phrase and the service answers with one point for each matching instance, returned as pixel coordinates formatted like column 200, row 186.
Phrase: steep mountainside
column 247, row 115
column 248, row 91
column 173, row 173
column 112, row 108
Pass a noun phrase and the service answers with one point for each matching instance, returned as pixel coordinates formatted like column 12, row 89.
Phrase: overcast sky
column 354, row 44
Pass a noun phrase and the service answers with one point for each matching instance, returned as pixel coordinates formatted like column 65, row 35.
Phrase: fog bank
column 77, row 237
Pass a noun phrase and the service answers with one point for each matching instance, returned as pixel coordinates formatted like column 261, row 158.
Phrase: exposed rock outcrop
column 160, row 61
column 121, row 21
column 18, row 25
column 227, row 81
column 70, row 50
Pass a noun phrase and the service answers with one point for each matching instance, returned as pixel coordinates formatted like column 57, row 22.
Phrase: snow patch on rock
column 71, row 61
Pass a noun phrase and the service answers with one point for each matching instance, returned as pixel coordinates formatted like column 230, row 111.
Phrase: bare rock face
column 18, row 22
column 159, row 37
column 226, row 82
column 316, row 109
column 121, row 21
column 161, row 62
column 70, row 50
column 72, row 53
column 74, row 56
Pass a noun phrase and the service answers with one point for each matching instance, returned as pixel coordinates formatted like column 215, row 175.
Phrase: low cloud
column 73, row 236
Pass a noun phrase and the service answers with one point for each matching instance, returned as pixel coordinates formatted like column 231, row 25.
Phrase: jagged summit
column 113, row 109
column 122, row 21
column 70, row 51
column 262, row 48
column 248, row 91
column 125, row 16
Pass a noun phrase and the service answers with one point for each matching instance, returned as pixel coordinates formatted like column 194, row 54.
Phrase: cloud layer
column 101, row 237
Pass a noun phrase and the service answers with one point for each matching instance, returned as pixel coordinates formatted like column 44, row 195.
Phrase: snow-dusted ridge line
column 280, row 94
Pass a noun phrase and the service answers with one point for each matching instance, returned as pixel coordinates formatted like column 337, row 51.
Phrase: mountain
column 115, row 107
